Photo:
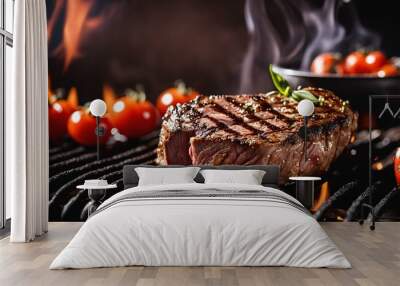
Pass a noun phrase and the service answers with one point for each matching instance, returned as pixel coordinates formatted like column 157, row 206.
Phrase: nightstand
column 96, row 195
column 305, row 190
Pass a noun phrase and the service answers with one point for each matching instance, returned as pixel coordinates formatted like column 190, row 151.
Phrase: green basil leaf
column 304, row 94
column 295, row 96
column 283, row 87
column 281, row 84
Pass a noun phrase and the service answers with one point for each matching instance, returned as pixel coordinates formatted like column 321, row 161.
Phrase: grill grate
column 71, row 164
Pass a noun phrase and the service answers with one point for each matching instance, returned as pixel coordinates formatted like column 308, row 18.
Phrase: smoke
column 331, row 35
column 291, row 33
column 328, row 33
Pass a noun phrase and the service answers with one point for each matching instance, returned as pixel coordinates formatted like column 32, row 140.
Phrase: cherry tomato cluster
column 373, row 63
column 132, row 115
column 66, row 117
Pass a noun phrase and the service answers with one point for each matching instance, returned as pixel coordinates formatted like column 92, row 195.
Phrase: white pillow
column 248, row 177
column 166, row 176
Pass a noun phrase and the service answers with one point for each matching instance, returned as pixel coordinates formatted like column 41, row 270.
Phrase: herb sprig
column 284, row 88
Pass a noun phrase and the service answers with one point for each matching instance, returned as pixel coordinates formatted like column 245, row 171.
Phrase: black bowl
column 354, row 88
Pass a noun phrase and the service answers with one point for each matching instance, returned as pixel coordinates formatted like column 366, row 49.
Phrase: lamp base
column 305, row 193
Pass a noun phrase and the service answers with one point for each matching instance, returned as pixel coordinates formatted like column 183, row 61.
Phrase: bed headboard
column 131, row 179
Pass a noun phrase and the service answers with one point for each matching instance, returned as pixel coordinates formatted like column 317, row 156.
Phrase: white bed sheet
column 202, row 232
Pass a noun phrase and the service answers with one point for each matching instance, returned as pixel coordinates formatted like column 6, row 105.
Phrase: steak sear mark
column 253, row 117
column 265, row 106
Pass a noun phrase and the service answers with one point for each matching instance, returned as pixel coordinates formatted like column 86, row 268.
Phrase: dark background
column 202, row 42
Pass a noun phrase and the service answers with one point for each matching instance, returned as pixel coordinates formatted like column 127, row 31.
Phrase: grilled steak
column 256, row 129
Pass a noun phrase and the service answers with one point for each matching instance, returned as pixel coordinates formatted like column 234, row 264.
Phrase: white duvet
column 200, row 231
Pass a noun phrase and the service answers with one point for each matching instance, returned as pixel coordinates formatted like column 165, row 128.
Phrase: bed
column 198, row 224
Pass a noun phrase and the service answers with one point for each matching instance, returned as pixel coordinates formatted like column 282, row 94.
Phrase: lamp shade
column 98, row 107
column 305, row 107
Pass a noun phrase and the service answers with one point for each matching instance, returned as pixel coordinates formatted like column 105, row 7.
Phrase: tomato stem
column 181, row 87
column 137, row 94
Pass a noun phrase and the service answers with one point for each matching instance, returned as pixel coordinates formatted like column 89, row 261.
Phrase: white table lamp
column 305, row 109
column 98, row 108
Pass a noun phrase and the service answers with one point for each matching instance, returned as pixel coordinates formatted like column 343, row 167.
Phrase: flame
column 77, row 13
column 78, row 23
column 49, row 90
column 72, row 97
column 377, row 166
column 109, row 96
column 323, row 197
column 52, row 21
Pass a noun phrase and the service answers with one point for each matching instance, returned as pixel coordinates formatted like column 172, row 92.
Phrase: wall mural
column 141, row 58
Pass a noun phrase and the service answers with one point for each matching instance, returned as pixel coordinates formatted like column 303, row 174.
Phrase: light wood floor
column 375, row 257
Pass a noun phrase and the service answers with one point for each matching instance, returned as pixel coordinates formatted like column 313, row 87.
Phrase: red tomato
column 324, row 63
column 82, row 127
column 355, row 63
column 339, row 68
column 59, row 112
column 387, row 70
column 374, row 61
column 133, row 117
column 192, row 94
column 173, row 96
column 397, row 166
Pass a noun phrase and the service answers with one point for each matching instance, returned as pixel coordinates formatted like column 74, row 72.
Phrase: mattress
column 201, row 225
